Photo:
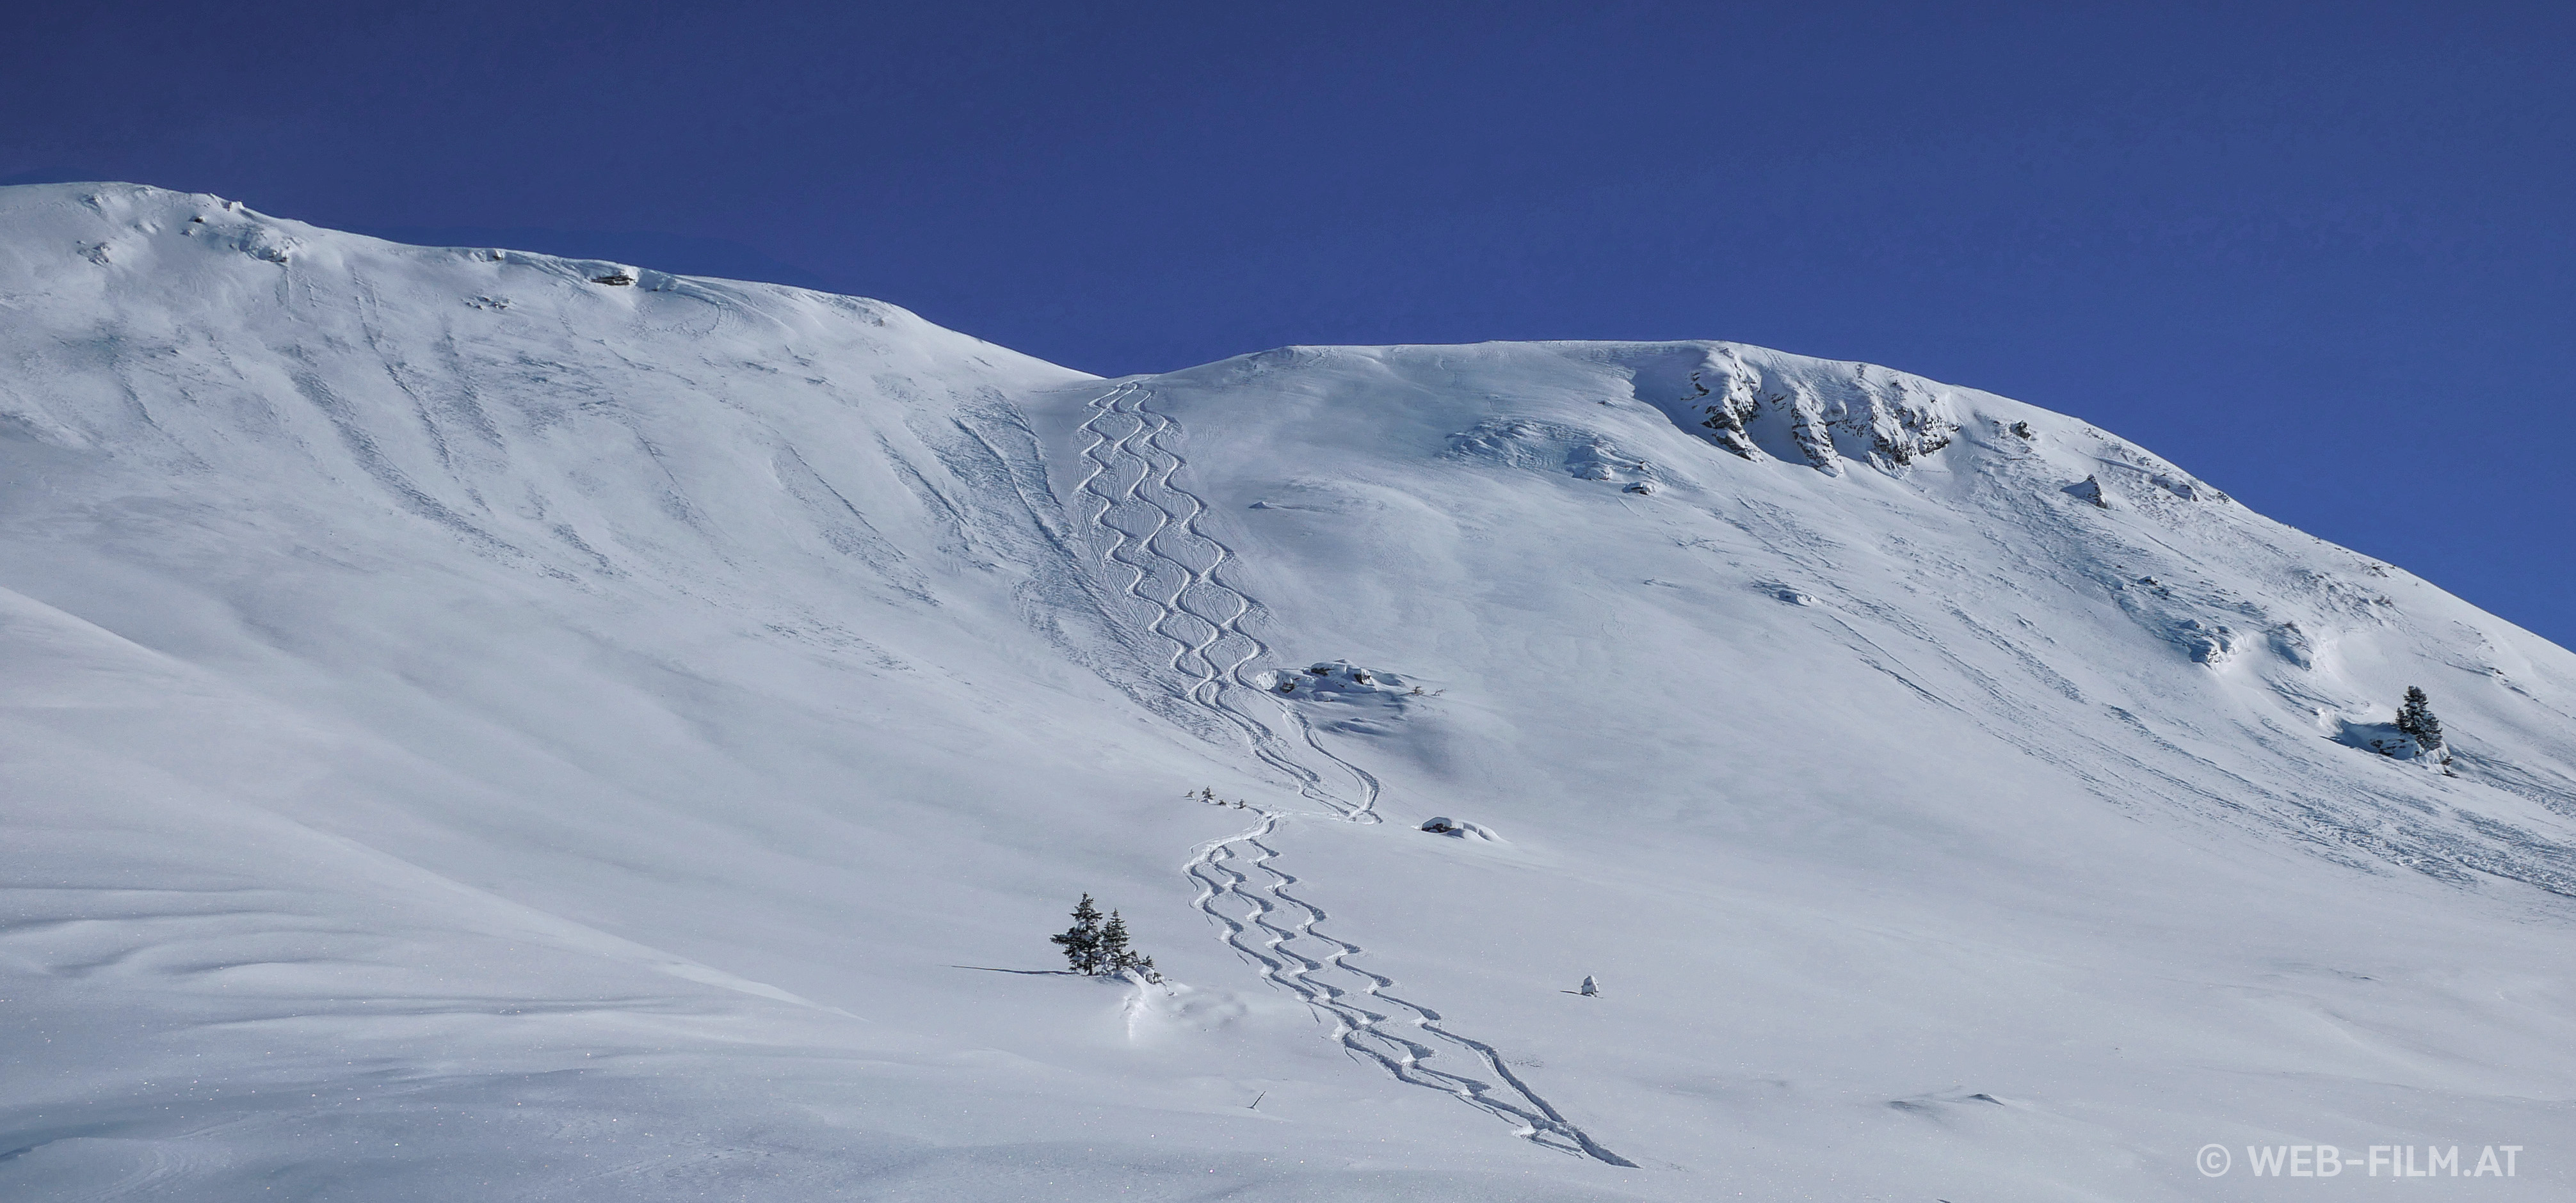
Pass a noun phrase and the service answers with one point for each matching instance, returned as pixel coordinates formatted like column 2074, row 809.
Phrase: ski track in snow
column 1151, row 524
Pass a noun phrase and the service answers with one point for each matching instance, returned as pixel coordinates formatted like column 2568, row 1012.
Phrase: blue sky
column 2322, row 255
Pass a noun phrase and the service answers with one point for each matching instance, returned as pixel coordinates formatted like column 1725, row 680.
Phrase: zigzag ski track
column 1150, row 525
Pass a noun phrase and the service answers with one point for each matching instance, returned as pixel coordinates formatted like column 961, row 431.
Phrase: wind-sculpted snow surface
column 1152, row 531
column 480, row 724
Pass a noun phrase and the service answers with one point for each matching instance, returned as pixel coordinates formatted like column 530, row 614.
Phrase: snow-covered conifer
column 1095, row 947
column 1117, row 958
column 2415, row 718
column 1113, row 942
column 1083, row 943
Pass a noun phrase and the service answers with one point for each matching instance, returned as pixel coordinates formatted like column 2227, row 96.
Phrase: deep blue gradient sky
column 2322, row 255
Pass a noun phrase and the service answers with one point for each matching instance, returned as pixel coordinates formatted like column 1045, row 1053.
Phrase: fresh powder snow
column 484, row 725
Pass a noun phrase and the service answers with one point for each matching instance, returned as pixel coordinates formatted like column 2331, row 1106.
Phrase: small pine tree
column 1095, row 948
column 1117, row 958
column 2415, row 718
column 1113, row 939
column 1083, row 942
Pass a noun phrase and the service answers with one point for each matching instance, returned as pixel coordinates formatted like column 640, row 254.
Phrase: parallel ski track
column 1151, row 524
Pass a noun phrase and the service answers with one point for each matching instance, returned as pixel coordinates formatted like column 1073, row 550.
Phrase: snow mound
column 2389, row 740
column 1459, row 829
column 1347, row 697
column 1550, row 446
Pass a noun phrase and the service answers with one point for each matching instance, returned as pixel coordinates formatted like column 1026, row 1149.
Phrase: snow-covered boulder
column 1347, row 697
column 2388, row 740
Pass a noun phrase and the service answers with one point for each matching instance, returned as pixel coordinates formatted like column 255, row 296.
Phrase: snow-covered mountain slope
column 485, row 725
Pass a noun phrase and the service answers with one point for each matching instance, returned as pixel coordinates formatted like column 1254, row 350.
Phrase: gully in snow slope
column 1151, row 526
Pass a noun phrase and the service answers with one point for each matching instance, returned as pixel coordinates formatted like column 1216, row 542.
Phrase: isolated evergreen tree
column 2416, row 718
column 1116, row 957
column 1113, row 940
column 1082, row 943
column 1096, row 948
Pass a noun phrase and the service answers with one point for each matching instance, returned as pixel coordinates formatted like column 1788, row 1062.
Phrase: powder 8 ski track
column 1150, row 526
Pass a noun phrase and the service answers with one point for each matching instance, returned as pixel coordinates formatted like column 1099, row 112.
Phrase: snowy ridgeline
column 482, row 721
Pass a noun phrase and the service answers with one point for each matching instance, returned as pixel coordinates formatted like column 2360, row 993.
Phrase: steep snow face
column 2009, row 753
column 474, row 720
column 2012, row 568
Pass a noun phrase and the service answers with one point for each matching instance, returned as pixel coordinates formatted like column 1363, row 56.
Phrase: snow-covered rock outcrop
column 1756, row 403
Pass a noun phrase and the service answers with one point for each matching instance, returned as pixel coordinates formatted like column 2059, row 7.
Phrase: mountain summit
column 480, row 724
